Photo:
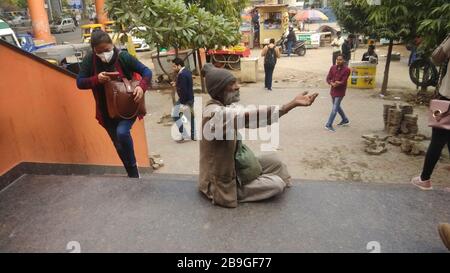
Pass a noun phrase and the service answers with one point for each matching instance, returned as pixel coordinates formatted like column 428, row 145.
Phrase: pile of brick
column 374, row 144
column 409, row 144
column 401, row 127
column 399, row 119
column 156, row 161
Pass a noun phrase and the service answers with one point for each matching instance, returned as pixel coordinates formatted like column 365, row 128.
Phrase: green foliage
column 434, row 25
column 391, row 19
column 230, row 9
column 172, row 23
column 353, row 18
column 13, row 5
column 397, row 19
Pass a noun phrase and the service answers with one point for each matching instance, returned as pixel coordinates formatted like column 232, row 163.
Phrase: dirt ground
column 309, row 151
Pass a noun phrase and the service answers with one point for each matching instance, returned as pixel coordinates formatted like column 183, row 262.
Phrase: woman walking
column 439, row 137
column 95, row 71
column 270, row 53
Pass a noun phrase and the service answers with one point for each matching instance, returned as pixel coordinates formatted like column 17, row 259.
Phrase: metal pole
column 50, row 10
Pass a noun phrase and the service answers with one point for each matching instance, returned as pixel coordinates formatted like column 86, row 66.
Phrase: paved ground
column 69, row 37
column 165, row 213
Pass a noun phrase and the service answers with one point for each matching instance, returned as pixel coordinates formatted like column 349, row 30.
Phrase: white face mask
column 106, row 56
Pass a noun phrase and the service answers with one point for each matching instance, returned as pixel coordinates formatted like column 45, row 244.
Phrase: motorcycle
column 298, row 47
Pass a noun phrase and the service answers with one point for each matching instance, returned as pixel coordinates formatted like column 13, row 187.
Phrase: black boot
column 133, row 172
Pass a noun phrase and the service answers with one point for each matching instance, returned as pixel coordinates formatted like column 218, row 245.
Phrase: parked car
column 62, row 25
column 21, row 21
column 68, row 56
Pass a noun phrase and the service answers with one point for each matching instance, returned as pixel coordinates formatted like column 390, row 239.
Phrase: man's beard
column 232, row 97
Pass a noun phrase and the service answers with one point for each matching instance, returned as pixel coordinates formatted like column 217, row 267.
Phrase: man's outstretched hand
column 305, row 99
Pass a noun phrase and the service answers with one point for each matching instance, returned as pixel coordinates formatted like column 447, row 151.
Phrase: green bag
column 248, row 167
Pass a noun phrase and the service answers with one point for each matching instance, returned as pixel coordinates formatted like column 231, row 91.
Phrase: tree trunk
column 386, row 69
column 165, row 72
column 85, row 13
column 202, row 78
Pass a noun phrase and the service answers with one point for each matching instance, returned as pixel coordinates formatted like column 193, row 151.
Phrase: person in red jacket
column 337, row 79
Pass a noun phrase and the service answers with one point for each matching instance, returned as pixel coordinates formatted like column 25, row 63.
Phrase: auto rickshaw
column 109, row 27
column 86, row 31
column 121, row 39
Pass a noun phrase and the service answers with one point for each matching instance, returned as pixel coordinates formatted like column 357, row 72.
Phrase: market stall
column 273, row 21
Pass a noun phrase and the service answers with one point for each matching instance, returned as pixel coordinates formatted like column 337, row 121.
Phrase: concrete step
column 166, row 213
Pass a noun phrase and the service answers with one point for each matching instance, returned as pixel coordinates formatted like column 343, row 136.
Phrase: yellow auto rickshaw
column 109, row 26
column 86, row 31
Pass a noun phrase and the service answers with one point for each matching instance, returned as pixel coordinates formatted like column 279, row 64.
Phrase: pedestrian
column 75, row 21
column 95, row 71
column 291, row 40
column 185, row 91
column 439, row 137
column 337, row 79
column 78, row 18
column 412, row 46
column 370, row 55
column 270, row 53
column 337, row 46
column 229, row 171
column 347, row 49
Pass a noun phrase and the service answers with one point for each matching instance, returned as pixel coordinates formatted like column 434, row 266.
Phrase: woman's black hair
column 100, row 37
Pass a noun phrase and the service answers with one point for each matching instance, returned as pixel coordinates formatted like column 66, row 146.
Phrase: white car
column 63, row 25
column 139, row 43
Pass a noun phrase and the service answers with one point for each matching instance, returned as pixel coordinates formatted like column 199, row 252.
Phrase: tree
column 395, row 20
column 13, row 5
column 353, row 18
column 390, row 20
column 434, row 24
column 170, row 23
column 230, row 9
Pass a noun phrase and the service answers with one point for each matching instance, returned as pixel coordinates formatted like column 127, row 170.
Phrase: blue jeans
column 289, row 47
column 336, row 109
column 119, row 132
column 177, row 114
column 268, row 71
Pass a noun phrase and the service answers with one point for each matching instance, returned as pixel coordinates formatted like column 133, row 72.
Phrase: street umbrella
column 310, row 15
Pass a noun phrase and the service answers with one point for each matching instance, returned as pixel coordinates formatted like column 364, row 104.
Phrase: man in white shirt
column 337, row 46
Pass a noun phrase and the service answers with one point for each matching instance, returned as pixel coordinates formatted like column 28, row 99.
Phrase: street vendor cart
column 273, row 21
column 229, row 57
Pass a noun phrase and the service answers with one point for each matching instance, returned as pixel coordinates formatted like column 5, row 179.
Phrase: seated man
column 370, row 55
column 229, row 171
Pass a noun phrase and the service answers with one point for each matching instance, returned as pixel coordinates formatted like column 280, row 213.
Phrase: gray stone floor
column 165, row 213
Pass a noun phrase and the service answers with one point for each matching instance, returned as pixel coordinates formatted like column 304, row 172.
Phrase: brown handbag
column 120, row 100
column 439, row 114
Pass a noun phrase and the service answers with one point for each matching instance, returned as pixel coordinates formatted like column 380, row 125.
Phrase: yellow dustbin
column 362, row 75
